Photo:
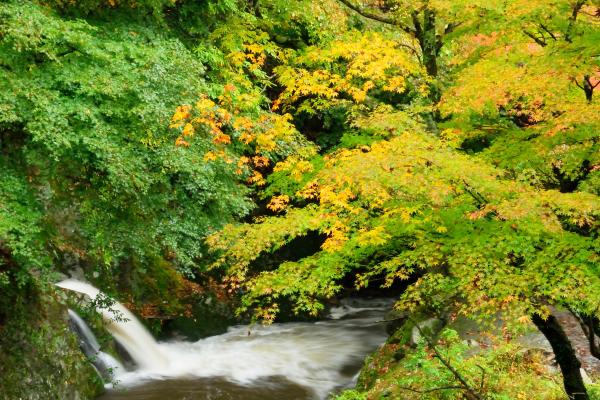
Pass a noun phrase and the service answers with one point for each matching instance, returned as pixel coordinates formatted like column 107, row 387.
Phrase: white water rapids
column 318, row 356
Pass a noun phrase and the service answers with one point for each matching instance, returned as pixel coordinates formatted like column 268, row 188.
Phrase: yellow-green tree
column 469, row 236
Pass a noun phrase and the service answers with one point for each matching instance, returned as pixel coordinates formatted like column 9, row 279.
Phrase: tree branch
column 255, row 8
column 470, row 393
column 573, row 19
column 482, row 384
column 481, row 200
column 439, row 43
column 418, row 30
column 432, row 390
column 539, row 41
column 412, row 49
column 368, row 14
column 452, row 26
column 545, row 28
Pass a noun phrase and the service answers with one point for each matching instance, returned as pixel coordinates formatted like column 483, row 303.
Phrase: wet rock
column 469, row 329
column 535, row 340
column 40, row 357
column 430, row 327
column 209, row 317
column 395, row 320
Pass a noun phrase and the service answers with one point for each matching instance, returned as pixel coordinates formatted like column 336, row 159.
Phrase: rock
column 536, row 342
column 586, row 378
column 209, row 317
column 471, row 343
column 77, row 273
column 469, row 329
column 395, row 319
column 531, row 353
column 399, row 354
column 430, row 327
column 42, row 359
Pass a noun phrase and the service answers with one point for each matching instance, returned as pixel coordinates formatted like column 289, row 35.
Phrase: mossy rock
column 40, row 356
column 209, row 317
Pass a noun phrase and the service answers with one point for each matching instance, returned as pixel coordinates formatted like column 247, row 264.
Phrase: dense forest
column 256, row 161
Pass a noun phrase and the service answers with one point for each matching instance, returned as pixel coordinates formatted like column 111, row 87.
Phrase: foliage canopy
column 450, row 147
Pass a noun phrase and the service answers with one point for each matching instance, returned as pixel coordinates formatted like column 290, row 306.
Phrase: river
column 283, row 361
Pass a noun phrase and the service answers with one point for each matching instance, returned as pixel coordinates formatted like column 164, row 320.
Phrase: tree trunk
column 429, row 43
column 565, row 356
column 588, row 88
column 573, row 19
column 255, row 8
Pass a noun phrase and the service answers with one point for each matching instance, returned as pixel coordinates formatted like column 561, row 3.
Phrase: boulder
column 430, row 327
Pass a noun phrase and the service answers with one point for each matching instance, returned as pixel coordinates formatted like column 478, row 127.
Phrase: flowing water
column 125, row 328
column 285, row 361
column 106, row 364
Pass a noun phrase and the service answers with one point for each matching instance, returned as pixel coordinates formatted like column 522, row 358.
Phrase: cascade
column 105, row 363
column 125, row 328
column 314, row 358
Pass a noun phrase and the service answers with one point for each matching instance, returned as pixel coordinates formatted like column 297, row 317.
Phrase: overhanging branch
column 371, row 15
column 573, row 19
column 539, row 41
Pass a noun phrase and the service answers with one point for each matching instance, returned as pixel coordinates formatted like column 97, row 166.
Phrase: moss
column 402, row 334
column 209, row 316
column 39, row 355
column 510, row 371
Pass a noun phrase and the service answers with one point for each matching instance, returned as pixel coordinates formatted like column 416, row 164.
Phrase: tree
column 403, row 206
column 409, row 208
column 84, row 132
column 426, row 21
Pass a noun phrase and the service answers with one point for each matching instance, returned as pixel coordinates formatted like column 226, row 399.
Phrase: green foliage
column 39, row 355
column 90, row 105
column 288, row 181
column 594, row 391
column 497, row 214
column 20, row 230
column 86, row 7
column 409, row 204
column 522, row 90
column 506, row 371
column 299, row 23
column 132, row 131
column 351, row 395
column 91, row 176
column 348, row 71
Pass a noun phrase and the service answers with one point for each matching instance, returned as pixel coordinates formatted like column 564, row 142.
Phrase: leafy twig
column 470, row 392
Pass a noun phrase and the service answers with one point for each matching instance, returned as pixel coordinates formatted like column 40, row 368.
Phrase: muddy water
column 212, row 389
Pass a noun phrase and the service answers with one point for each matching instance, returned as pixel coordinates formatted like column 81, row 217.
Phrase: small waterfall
column 125, row 328
column 105, row 363
column 300, row 359
column 109, row 364
column 87, row 340
column 295, row 360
